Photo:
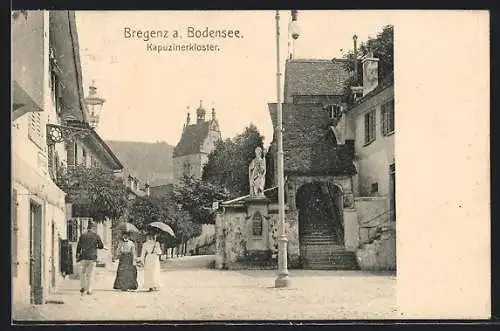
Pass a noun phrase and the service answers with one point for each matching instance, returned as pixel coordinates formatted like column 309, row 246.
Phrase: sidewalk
column 207, row 294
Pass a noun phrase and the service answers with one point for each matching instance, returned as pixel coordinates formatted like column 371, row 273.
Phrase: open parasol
column 127, row 227
column 163, row 227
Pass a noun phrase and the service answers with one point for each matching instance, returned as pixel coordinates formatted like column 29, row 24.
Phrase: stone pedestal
column 257, row 225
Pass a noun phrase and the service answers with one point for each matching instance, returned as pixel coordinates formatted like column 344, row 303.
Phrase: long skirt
column 126, row 275
column 152, row 271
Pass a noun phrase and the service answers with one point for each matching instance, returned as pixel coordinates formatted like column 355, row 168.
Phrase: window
column 73, row 230
column 70, row 153
column 15, row 262
column 35, row 129
column 369, row 126
column 335, row 111
column 387, row 118
column 374, row 188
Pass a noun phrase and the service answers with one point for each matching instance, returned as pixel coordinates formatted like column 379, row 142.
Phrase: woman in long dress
column 150, row 257
column 126, row 275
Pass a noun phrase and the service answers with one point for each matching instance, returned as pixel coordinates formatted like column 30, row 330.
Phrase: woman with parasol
column 151, row 252
column 150, row 258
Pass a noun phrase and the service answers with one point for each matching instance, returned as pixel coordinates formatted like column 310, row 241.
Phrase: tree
column 102, row 193
column 145, row 210
column 227, row 165
column 196, row 196
column 383, row 48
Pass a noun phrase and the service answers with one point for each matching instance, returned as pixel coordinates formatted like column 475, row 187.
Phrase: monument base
column 282, row 281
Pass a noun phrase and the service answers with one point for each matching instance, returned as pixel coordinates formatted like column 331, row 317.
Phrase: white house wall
column 30, row 175
column 373, row 159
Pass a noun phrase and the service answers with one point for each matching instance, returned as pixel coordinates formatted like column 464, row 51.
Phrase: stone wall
column 380, row 254
column 371, row 211
column 237, row 247
column 377, row 235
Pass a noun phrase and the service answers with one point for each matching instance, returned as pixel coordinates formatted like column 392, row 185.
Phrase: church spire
column 200, row 113
column 213, row 111
column 188, row 118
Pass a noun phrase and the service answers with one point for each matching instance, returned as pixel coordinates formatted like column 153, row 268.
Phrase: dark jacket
column 87, row 246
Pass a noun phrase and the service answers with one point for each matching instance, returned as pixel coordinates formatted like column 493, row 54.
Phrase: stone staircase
column 320, row 251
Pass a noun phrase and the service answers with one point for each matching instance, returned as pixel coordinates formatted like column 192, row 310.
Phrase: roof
column 308, row 144
column 192, row 139
column 64, row 40
column 105, row 151
column 315, row 77
column 95, row 143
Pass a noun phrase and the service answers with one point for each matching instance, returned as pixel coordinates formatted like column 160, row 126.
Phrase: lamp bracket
column 61, row 133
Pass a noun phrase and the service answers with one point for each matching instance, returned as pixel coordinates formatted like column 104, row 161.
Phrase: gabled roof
column 308, row 144
column 95, row 143
column 315, row 77
column 192, row 139
column 64, row 41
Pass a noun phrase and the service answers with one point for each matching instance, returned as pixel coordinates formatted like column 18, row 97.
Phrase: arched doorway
column 321, row 230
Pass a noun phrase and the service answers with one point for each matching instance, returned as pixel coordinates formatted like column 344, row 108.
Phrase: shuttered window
column 35, row 129
column 370, row 127
column 387, row 118
column 72, row 230
column 15, row 234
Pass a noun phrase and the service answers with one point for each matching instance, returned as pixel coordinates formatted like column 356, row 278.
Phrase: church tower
column 198, row 140
column 200, row 113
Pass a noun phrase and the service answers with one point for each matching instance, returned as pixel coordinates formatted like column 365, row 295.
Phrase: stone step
column 328, row 258
column 312, row 258
column 324, row 266
column 326, row 247
column 318, row 241
column 317, row 236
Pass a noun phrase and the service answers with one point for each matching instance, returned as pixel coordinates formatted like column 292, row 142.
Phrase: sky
column 148, row 93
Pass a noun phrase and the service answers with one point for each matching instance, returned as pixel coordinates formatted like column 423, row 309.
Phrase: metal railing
column 380, row 227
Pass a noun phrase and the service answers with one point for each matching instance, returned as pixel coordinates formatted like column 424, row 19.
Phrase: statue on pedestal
column 257, row 174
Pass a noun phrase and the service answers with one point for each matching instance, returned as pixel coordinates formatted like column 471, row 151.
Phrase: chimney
column 370, row 73
column 148, row 192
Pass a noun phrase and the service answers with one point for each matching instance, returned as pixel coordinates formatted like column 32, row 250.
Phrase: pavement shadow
column 317, row 273
column 77, row 291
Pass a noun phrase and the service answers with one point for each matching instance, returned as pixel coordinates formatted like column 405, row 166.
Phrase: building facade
column 46, row 84
column 339, row 168
column 372, row 122
column 90, row 151
column 198, row 140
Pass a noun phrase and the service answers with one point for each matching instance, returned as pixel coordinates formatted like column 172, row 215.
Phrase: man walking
column 86, row 254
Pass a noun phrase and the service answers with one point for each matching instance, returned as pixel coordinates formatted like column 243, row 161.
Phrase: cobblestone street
column 194, row 293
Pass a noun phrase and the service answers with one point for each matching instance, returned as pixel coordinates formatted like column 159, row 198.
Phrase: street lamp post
column 283, row 279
